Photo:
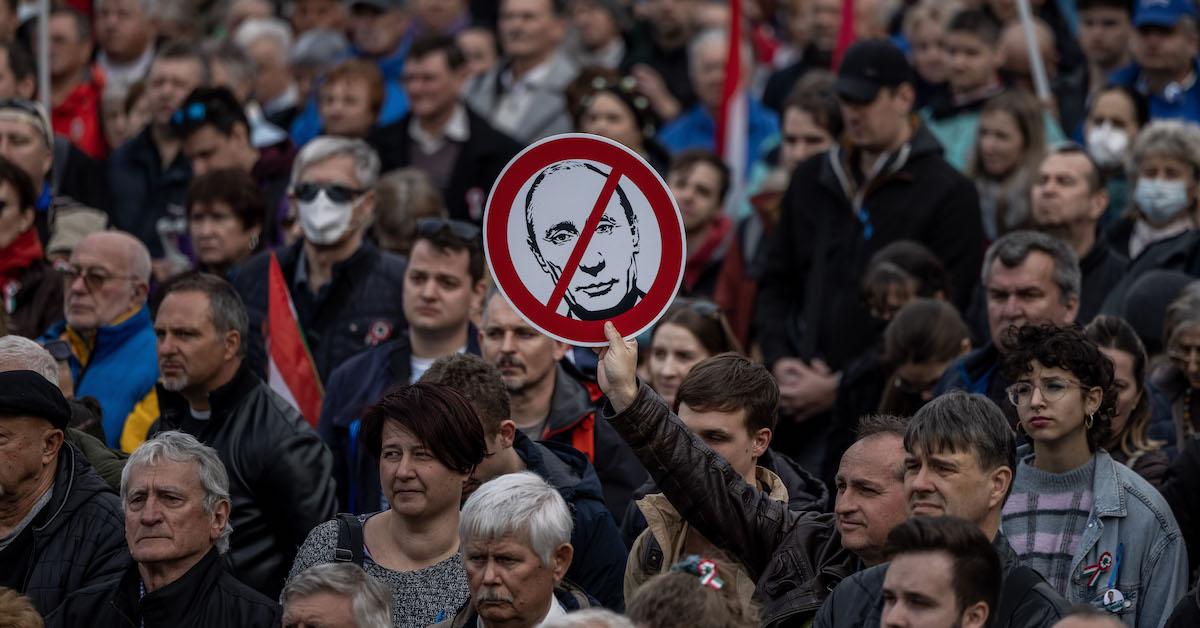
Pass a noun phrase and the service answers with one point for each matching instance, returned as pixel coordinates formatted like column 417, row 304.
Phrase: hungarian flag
column 733, row 121
column 846, row 34
column 291, row 370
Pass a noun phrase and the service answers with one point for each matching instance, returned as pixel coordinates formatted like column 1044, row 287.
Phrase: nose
column 491, row 575
column 405, row 469
column 919, row 481
column 894, row 616
column 844, row 503
column 1036, row 398
column 672, row 367
column 1012, row 308
column 150, row 513
column 592, row 264
column 428, row 290
column 509, row 344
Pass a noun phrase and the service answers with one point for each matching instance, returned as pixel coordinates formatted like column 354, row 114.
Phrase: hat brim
column 1165, row 19
column 856, row 90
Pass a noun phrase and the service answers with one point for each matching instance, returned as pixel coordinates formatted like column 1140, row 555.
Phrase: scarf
column 14, row 259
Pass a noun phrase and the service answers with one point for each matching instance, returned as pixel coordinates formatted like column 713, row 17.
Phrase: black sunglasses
column 429, row 227
column 335, row 191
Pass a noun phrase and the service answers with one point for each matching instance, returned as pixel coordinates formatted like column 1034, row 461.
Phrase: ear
column 560, row 350
column 27, row 218
column 759, row 442
column 637, row 237
column 1093, row 397
column 974, row 616
column 27, row 88
column 1072, row 310
column 906, row 95
column 220, row 516
column 507, row 434
column 52, row 440
column 233, row 344
column 998, row 482
column 364, row 211
column 965, row 348
column 562, row 560
column 1099, row 202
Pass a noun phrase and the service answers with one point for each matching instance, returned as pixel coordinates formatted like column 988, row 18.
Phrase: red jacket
column 77, row 117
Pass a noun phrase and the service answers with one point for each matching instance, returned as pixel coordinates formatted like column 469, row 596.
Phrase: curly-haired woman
column 1096, row 530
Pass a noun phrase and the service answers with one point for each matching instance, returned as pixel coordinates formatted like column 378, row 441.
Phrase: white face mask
column 324, row 221
column 1107, row 145
column 1160, row 200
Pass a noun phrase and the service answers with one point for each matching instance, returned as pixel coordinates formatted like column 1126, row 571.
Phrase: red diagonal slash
column 585, row 237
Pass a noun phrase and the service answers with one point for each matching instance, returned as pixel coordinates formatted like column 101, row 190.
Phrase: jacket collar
column 222, row 400
column 171, row 604
column 1108, row 500
column 569, row 402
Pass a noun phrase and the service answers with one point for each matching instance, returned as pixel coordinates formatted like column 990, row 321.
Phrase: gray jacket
column 1153, row 569
column 546, row 114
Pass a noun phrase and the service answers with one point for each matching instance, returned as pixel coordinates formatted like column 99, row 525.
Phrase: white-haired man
column 515, row 535
column 336, row 594
column 176, row 497
column 347, row 292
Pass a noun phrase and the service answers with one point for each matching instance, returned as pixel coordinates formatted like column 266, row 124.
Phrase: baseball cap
column 867, row 67
column 1162, row 12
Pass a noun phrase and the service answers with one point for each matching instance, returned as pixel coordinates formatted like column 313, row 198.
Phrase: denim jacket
column 1152, row 575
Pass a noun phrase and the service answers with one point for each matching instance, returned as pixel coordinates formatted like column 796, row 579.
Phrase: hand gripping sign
column 579, row 230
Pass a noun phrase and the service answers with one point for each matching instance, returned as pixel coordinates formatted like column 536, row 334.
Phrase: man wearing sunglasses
column 347, row 293
column 109, row 331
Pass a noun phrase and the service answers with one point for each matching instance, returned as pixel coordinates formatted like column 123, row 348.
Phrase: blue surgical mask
column 1160, row 201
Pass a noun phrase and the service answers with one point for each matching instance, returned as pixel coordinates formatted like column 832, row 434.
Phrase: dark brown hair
column 677, row 598
column 729, row 382
column 13, row 175
column 1112, row 332
column 235, row 188
column 437, row 416
column 479, row 382
column 975, row 569
column 705, row 321
column 359, row 70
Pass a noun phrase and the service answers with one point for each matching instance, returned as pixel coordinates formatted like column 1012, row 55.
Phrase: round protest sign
column 579, row 230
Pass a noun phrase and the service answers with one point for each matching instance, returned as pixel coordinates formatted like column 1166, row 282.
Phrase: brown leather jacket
column 796, row 558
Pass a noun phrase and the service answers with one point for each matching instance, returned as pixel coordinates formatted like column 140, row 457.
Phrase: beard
column 174, row 384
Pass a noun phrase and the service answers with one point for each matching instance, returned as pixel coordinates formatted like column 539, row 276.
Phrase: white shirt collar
column 127, row 73
column 289, row 98
column 457, row 129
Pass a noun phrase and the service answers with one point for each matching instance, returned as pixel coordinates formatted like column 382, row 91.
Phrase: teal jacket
column 119, row 370
column 956, row 132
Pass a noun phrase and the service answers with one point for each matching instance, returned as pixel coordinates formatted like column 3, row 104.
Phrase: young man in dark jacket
column 281, row 473
column 796, row 557
column 443, row 284
column 599, row 559
column 176, row 495
column 887, row 181
column 60, row 524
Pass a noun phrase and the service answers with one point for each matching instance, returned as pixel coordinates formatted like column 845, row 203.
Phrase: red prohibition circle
column 629, row 165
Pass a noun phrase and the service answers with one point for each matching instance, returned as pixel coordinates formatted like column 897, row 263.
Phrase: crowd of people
column 933, row 361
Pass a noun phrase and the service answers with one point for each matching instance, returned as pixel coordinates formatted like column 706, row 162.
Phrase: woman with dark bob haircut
column 428, row 440
column 1093, row 527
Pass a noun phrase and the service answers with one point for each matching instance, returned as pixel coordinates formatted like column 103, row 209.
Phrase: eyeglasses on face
column 1053, row 389
column 93, row 278
column 336, row 192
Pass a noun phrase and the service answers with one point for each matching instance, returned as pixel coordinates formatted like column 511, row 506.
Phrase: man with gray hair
column 175, row 491
column 336, row 594
column 109, row 332
column 515, row 534
column 347, row 293
column 268, row 43
column 282, row 473
column 125, row 33
column 1029, row 278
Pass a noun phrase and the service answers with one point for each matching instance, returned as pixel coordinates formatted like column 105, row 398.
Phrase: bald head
column 1015, row 50
column 112, row 277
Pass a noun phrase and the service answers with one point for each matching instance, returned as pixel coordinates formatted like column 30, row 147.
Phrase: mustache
column 487, row 596
column 509, row 361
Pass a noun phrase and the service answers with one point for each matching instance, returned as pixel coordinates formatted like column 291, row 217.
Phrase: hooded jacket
column 206, row 595
column 119, row 368
column 572, row 421
column 599, row 553
column 833, row 221
column 665, row 541
column 280, row 475
column 76, row 540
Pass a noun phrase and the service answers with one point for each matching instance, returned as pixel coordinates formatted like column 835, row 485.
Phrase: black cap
column 868, row 66
column 27, row 393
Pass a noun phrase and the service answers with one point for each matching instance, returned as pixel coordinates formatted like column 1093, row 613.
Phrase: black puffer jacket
column 77, row 539
column 280, row 473
column 359, row 308
column 858, row 601
column 206, row 595
column 795, row 558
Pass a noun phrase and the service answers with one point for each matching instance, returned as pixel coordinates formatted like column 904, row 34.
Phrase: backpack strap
column 1018, row 583
column 350, row 540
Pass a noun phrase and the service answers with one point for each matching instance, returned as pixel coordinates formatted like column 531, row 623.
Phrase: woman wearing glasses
column 30, row 288
column 1097, row 531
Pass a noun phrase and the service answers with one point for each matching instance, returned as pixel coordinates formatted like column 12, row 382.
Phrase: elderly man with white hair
column 336, row 594
column 267, row 41
column 60, row 524
column 176, row 497
column 515, row 534
column 109, row 331
column 347, row 293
